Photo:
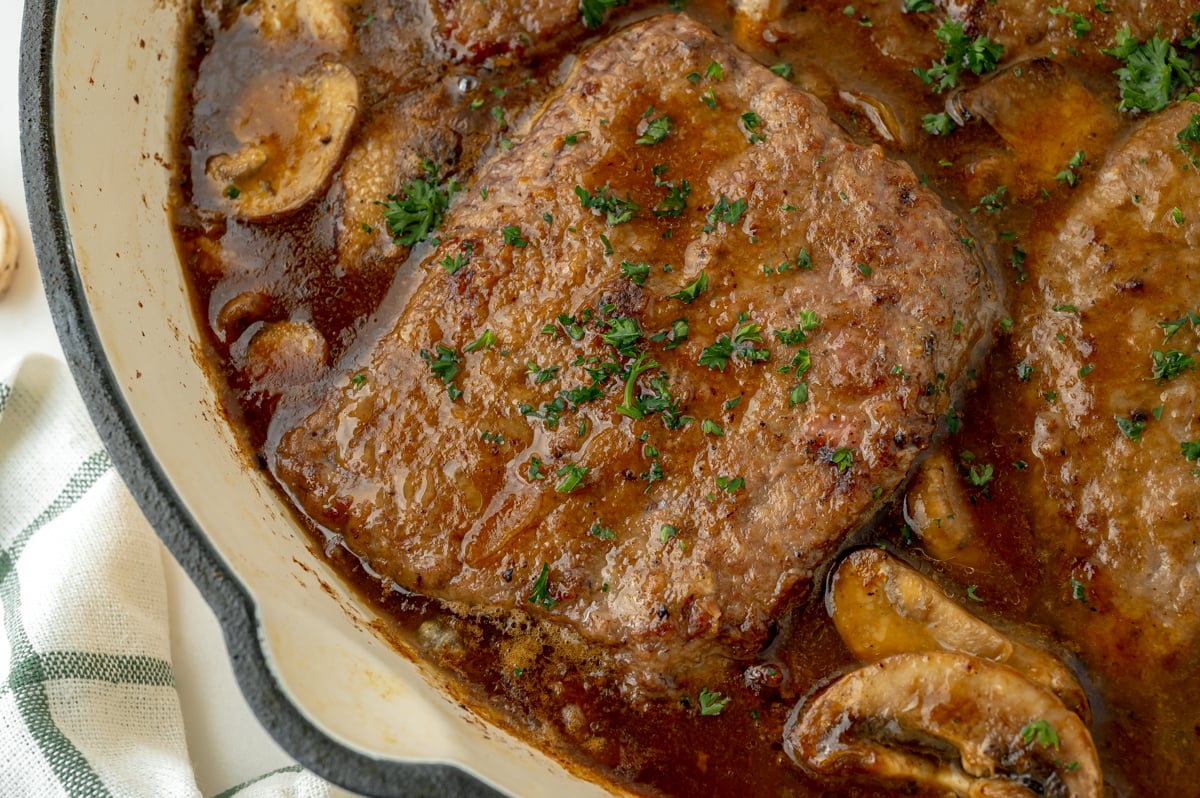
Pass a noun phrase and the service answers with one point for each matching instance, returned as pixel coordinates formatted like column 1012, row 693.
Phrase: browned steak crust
column 472, row 500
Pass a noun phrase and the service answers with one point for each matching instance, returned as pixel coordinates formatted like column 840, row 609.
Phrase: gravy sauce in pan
column 337, row 159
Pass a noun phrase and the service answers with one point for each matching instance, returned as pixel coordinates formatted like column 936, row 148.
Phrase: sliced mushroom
column 947, row 722
column 881, row 116
column 288, row 156
column 882, row 607
column 935, row 508
column 283, row 354
column 1044, row 117
column 9, row 251
column 324, row 21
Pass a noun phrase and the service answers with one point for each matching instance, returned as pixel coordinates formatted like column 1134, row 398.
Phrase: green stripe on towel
column 27, row 682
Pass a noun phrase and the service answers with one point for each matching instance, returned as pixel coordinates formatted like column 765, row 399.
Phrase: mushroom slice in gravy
column 882, row 607
column 948, row 722
column 288, row 150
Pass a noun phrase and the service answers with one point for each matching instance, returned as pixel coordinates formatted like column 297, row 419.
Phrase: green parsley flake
column 572, row 477
column 710, row 427
column 712, row 702
column 616, row 210
column 1168, row 365
column 1040, row 732
column 601, row 532
column 843, row 459
column 730, row 484
column 512, row 237
column 358, row 380
column 535, row 468
column 656, row 131
column 636, row 272
column 689, row 293
column 541, row 589
column 1153, row 75
column 1131, row 428
column 666, row 532
column 724, row 211
column 938, row 124
column 411, row 220
column 484, row 341
column 979, row 55
column 593, row 11
column 798, row 395
column 444, row 366
column 1077, row 591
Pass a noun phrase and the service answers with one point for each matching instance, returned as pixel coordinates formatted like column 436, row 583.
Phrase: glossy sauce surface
column 1022, row 553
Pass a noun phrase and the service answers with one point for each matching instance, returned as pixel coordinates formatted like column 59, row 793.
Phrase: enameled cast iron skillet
column 98, row 82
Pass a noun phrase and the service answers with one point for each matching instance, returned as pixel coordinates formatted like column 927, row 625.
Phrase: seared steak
column 1114, row 395
column 654, row 370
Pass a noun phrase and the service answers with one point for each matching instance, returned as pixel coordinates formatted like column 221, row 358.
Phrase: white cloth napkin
column 88, row 705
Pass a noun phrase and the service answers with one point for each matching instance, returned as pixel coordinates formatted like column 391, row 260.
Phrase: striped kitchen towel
column 88, row 705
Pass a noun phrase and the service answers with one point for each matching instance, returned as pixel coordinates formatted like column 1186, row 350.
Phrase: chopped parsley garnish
column 535, row 468
column 656, row 131
column 938, row 124
column 1079, row 25
column 358, row 380
column 498, row 115
column 712, row 702
column 444, row 366
column 485, row 341
column 714, row 71
column 232, row 191
column 993, row 202
column 412, row 219
column 1190, row 450
column 972, row 595
column 541, row 375
column 688, row 294
column 979, row 55
column 1040, row 732
column 1070, row 175
column 541, row 589
column 675, row 203
column 1170, row 364
column 1077, row 591
column 666, row 532
column 636, row 272
column 572, row 477
column 623, row 335
column 512, row 236
column 798, row 395
column 980, row 476
column 630, row 406
column 753, row 122
column 1187, row 137
column 843, row 459
column 549, row 414
column 1024, row 371
column 593, row 11
column 709, row 98
column 918, row 6
column 710, row 427
column 783, row 70
column 739, row 345
column 1131, row 428
column 725, row 211
column 1153, row 75
column 1169, row 328
column 454, row 263
column 601, row 532
column 571, row 139
column 730, row 484
column 616, row 210
column 808, row 323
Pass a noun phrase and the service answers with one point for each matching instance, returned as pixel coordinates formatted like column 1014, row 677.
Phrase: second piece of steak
column 670, row 349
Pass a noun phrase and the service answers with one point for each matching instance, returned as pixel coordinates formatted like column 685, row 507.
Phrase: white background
column 225, row 741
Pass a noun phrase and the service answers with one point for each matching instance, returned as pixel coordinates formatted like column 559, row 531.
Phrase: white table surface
column 226, row 743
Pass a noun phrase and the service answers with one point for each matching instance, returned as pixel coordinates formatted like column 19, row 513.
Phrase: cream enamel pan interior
column 97, row 87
